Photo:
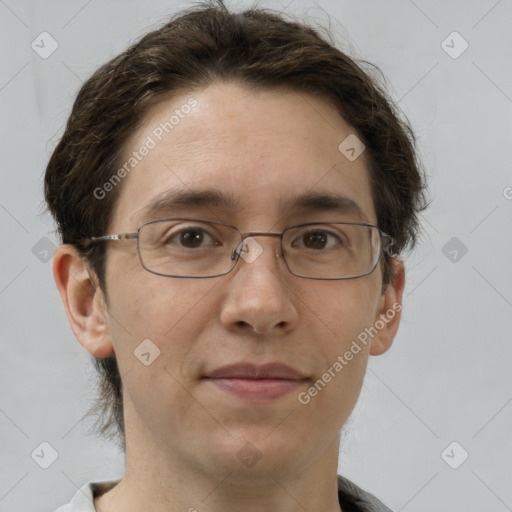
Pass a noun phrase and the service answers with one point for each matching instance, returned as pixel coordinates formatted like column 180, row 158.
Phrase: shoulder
column 83, row 500
column 354, row 499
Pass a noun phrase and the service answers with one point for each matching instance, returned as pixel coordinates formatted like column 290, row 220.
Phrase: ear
column 83, row 301
column 388, row 315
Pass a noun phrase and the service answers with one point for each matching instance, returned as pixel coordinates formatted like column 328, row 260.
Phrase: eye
column 317, row 239
column 189, row 237
column 192, row 237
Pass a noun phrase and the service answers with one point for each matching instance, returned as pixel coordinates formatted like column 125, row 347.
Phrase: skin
column 182, row 434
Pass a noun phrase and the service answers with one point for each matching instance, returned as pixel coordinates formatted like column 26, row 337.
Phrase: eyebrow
column 178, row 200
column 175, row 200
column 326, row 201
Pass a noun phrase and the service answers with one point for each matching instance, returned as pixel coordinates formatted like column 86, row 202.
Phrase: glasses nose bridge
column 251, row 234
column 260, row 233
column 243, row 236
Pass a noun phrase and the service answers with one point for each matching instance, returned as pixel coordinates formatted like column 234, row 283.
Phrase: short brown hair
column 196, row 47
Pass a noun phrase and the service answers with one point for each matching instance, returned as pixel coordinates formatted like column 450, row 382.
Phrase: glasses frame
column 386, row 243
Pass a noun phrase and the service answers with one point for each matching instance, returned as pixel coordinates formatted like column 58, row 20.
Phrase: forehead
column 256, row 155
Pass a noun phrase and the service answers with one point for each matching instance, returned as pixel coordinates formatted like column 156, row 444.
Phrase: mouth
column 257, row 383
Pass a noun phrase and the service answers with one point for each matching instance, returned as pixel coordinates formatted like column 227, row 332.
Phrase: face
column 263, row 149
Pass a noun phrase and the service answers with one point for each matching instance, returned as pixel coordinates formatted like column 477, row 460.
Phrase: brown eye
column 315, row 240
column 191, row 238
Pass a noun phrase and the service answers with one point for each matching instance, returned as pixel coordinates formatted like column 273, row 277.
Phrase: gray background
column 447, row 378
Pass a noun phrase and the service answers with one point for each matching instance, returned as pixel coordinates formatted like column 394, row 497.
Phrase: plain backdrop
column 444, row 390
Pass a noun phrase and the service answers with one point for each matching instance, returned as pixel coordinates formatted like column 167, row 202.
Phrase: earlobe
column 388, row 315
column 83, row 301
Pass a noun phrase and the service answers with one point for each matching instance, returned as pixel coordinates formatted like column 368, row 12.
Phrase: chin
column 258, row 456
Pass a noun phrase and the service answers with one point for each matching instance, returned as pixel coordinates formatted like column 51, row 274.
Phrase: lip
column 258, row 383
column 253, row 371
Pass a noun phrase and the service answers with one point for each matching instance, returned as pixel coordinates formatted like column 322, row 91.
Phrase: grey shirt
column 351, row 497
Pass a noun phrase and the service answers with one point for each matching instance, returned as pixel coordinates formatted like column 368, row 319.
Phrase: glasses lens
column 196, row 248
column 187, row 248
column 331, row 251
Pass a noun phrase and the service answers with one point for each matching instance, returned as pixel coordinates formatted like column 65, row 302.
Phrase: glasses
column 197, row 248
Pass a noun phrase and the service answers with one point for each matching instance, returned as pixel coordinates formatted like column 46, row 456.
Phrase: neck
column 160, row 479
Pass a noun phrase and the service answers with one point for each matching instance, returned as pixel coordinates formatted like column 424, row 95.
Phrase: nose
column 260, row 297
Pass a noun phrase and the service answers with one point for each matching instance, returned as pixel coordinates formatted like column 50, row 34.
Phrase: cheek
column 155, row 330
column 334, row 320
column 340, row 309
column 170, row 313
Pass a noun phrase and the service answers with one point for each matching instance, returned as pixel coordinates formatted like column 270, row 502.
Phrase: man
column 232, row 193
